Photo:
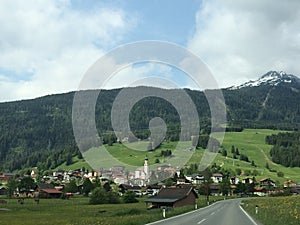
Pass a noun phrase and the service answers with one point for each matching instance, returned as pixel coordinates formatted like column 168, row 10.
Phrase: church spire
column 146, row 169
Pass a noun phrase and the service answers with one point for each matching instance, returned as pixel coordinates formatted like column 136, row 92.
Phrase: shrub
column 224, row 152
column 280, row 174
column 244, row 158
column 101, row 196
column 113, row 197
column 129, row 197
column 247, row 172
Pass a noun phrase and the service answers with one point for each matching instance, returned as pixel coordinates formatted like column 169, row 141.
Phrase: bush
column 280, row 174
column 129, row 197
column 238, row 171
column 113, row 197
column 224, row 152
column 247, row 172
column 101, row 196
column 244, row 158
column 255, row 173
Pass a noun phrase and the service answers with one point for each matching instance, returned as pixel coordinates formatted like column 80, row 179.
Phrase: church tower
column 146, row 169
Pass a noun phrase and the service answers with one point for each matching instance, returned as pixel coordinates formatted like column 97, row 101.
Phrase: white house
column 234, row 180
column 217, row 177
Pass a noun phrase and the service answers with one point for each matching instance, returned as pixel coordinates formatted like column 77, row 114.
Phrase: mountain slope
column 39, row 131
column 272, row 99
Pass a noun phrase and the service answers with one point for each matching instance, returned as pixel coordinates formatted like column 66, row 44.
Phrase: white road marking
column 201, row 221
column 212, row 213
column 182, row 215
column 250, row 218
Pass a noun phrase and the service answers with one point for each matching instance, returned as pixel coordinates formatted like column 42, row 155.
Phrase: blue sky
column 47, row 46
column 172, row 20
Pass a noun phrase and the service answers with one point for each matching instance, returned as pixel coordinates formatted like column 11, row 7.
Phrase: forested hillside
column 286, row 149
column 40, row 130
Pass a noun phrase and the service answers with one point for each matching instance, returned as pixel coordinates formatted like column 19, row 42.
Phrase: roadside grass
column 77, row 211
column 275, row 210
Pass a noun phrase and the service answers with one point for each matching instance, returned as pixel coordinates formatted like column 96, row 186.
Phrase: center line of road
column 212, row 213
column 201, row 221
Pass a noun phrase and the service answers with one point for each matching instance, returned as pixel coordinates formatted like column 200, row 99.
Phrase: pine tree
column 232, row 149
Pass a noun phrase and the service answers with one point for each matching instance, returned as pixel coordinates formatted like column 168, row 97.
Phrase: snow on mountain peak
column 272, row 78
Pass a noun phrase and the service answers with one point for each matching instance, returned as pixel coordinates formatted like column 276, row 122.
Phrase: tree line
column 286, row 148
column 39, row 131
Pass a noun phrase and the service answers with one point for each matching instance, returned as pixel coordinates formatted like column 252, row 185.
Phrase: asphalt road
column 226, row 212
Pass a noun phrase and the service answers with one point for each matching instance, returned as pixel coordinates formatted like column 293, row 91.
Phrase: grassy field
column 250, row 142
column 124, row 154
column 77, row 164
column 275, row 210
column 77, row 211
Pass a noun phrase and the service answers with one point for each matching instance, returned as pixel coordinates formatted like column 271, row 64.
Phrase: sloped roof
column 45, row 186
column 265, row 179
column 129, row 187
column 51, row 191
column 154, row 186
column 170, row 195
column 260, row 190
column 217, row 175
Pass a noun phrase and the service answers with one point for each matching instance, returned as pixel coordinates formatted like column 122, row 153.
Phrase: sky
column 46, row 47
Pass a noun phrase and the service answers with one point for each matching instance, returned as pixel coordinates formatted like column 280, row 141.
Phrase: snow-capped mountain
column 272, row 78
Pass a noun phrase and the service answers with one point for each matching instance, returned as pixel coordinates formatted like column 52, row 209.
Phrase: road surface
column 226, row 212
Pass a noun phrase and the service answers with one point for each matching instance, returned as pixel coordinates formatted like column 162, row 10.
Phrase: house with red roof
column 47, row 191
column 267, row 182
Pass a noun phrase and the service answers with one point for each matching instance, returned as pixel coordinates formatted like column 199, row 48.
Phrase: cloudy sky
column 47, row 46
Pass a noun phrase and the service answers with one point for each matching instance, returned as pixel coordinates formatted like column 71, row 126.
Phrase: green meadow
column 250, row 142
column 77, row 211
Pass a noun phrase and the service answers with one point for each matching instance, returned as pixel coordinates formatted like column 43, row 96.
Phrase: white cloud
column 54, row 43
column 143, row 74
column 155, row 74
column 241, row 40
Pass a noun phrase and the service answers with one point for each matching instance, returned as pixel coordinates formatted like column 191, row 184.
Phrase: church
column 142, row 174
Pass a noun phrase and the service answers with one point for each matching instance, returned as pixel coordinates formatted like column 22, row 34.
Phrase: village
column 176, row 189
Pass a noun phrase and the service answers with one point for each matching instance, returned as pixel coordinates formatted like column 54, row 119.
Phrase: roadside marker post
column 256, row 209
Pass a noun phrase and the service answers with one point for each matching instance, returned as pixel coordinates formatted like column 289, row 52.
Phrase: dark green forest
column 286, row 149
column 39, row 132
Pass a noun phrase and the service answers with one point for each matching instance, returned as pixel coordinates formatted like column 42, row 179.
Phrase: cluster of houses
column 118, row 174
column 183, row 192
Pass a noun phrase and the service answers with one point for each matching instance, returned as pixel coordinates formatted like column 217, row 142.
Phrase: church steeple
column 146, row 169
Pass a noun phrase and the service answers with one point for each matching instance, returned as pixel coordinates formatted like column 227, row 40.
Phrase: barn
column 173, row 197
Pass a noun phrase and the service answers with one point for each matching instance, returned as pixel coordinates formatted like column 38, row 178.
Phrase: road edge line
column 174, row 217
column 249, row 217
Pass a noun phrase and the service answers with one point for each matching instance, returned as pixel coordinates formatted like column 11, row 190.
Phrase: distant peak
column 272, row 78
column 275, row 74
